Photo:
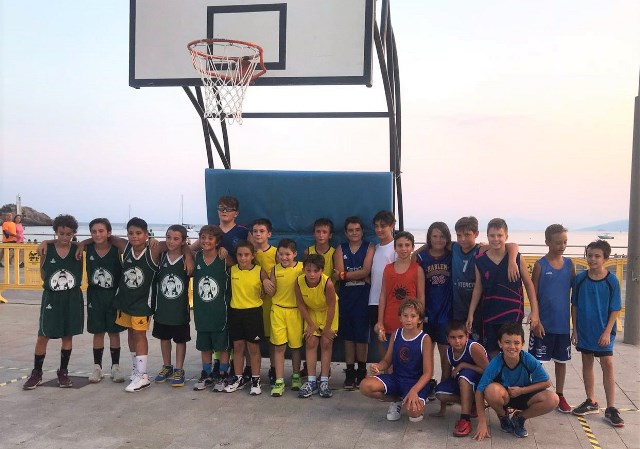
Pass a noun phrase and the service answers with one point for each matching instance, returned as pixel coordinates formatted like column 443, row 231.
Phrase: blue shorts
column 452, row 386
column 394, row 386
column 354, row 322
column 556, row 347
column 437, row 332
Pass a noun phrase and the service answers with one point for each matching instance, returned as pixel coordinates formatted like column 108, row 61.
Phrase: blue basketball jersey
column 553, row 294
column 438, row 291
column 407, row 356
column 463, row 270
column 466, row 354
column 353, row 292
column 502, row 299
column 231, row 238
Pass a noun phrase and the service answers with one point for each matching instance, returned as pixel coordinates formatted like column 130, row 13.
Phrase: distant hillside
column 618, row 225
column 30, row 217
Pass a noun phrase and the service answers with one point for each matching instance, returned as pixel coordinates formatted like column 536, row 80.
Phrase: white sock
column 141, row 364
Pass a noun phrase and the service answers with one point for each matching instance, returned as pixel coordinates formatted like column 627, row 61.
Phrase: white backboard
column 305, row 42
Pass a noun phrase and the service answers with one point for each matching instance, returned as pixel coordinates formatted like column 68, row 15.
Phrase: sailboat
column 186, row 225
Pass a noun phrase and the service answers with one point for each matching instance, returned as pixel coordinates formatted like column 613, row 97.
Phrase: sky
column 522, row 110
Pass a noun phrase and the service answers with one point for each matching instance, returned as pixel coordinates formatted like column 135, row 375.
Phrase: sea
column 530, row 242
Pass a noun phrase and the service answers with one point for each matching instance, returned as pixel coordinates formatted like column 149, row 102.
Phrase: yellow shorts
column 319, row 318
column 137, row 323
column 286, row 327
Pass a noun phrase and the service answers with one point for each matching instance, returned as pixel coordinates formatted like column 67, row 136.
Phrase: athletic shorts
column 452, row 386
column 101, row 314
column 61, row 314
column 354, row 324
column 394, row 386
column 373, row 315
column 437, row 332
column 286, row 326
column 319, row 319
column 213, row 341
column 179, row 333
column 556, row 347
column 521, row 402
column 595, row 353
column 136, row 323
column 246, row 324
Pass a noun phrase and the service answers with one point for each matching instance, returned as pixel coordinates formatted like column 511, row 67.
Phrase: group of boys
column 300, row 303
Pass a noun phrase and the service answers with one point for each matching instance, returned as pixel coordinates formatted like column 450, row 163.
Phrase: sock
column 65, row 355
column 141, row 364
column 324, row 378
column 465, row 416
column 224, row 368
column 206, row 367
column 280, row 379
column 312, row 379
column 97, row 356
column 115, row 356
column 255, row 379
column 38, row 362
column 351, row 366
column 362, row 366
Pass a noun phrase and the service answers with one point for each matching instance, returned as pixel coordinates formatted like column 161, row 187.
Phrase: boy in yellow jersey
column 286, row 320
column 246, row 329
column 266, row 258
column 322, row 234
column 318, row 304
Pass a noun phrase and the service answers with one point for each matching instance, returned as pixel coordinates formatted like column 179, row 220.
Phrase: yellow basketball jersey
column 328, row 258
column 266, row 259
column 314, row 297
column 246, row 287
column 285, row 281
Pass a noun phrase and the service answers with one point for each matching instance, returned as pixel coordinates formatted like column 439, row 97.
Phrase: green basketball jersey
column 103, row 272
column 211, row 293
column 136, row 290
column 61, row 274
column 172, row 297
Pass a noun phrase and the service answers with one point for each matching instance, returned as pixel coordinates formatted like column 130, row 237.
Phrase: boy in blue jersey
column 595, row 306
column 352, row 262
column 228, row 211
column 514, row 379
column 552, row 279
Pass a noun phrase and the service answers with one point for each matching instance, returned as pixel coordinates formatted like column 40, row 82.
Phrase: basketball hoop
column 226, row 67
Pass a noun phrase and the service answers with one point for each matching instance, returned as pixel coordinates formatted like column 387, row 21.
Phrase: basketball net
column 226, row 67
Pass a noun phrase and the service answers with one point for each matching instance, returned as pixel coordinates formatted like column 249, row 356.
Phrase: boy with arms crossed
column 171, row 316
column 62, row 308
column 552, row 278
column 513, row 379
column 595, row 306
column 286, row 321
column 352, row 261
column 318, row 303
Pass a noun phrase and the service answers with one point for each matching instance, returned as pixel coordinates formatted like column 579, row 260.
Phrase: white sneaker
column 256, row 389
column 116, row 374
column 96, row 375
column 416, row 419
column 140, row 382
column 393, row 414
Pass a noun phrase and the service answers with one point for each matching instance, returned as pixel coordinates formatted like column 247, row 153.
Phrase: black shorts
column 179, row 333
column 521, row 402
column 490, row 337
column 373, row 315
column 437, row 332
column 246, row 324
column 595, row 353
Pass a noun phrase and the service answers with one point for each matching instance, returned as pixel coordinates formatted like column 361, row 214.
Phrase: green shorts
column 213, row 341
column 61, row 313
column 101, row 313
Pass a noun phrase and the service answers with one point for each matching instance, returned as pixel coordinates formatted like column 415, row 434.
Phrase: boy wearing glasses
column 227, row 213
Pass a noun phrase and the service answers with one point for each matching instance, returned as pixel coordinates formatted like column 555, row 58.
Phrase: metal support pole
column 632, row 299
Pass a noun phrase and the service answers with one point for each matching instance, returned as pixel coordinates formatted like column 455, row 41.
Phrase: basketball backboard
column 305, row 42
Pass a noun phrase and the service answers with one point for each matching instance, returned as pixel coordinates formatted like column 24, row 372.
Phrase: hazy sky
column 516, row 109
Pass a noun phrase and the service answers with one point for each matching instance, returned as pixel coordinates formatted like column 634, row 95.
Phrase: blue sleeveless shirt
column 438, row 292
column 407, row 356
column 502, row 300
column 354, row 291
column 463, row 269
column 554, row 301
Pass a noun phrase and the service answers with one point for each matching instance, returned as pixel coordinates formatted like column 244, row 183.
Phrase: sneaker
column 612, row 415
column 308, row 389
column 416, row 418
column 518, row 426
column 63, row 379
column 296, row 382
column 220, row 383
column 177, row 380
column 96, row 375
column 116, row 374
column 278, row 389
column 272, row 377
column 235, row 383
column 563, row 405
column 140, row 382
column 506, row 425
column 350, row 380
column 33, row 381
column 586, row 408
column 462, row 428
column 432, row 390
column 256, row 389
column 205, row 381
column 393, row 414
column 361, row 374
column 323, row 390
column 165, row 373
